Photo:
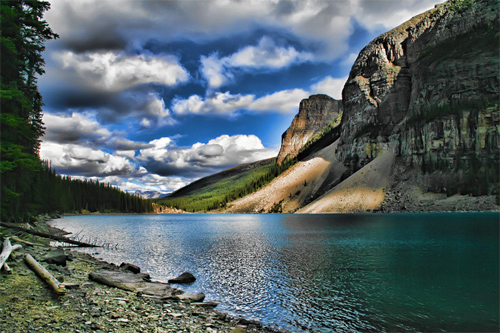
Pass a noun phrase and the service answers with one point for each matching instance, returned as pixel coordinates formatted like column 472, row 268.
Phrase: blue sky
column 152, row 95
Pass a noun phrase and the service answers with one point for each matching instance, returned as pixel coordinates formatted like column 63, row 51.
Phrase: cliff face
column 428, row 91
column 315, row 113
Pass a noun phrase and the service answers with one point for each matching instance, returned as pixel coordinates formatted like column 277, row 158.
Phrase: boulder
column 191, row 297
column 125, row 266
column 206, row 304
column 185, row 277
column 57, row 258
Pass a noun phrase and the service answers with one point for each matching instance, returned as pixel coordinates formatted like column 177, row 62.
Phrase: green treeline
column 218, row 195
column 62, row 194
column 28, row 186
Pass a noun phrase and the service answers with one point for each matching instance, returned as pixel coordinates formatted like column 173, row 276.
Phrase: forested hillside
column 214, row 192
column 28, row 186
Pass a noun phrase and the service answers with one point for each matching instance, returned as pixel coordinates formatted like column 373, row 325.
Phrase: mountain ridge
column 420, row 124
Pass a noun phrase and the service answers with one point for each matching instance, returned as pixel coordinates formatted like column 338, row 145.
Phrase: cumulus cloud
column 214, row 71
column 75, row 128
column 329, row 86
column 84, row 129
column 265, row 55
column 199, row 21
column 217, row 103
column 76, row 159
column 202, row 158
column 112, row 71
column 389, row 14
column 150, row 183
column 284, row 101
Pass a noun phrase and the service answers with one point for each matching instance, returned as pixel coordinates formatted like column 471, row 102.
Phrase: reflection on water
column 327, row 273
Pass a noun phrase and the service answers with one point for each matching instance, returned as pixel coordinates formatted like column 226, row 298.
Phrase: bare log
column 19, row 240
column 49, row 236
column 57, row 286
column 7, row 250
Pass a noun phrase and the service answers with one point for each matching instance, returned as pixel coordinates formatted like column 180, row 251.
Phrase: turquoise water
column 324, row 273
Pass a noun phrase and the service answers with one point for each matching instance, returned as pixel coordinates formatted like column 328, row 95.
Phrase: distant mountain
column 150, row 194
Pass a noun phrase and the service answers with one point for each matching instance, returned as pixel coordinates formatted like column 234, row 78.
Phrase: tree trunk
column 7, row 250
column 45, row 275
column 45, row 235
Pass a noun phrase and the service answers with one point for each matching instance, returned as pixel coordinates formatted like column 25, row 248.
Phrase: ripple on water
column 325, row 273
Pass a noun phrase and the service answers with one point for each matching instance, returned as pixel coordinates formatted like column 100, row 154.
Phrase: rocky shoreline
column 27, row 304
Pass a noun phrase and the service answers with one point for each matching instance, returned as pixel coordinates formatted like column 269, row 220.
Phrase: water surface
column 325, row 273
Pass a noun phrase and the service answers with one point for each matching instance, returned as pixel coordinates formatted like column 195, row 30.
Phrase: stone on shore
column 139, row 283
column 185, row 277
column 58, row 258
column 191, row 297
column 125, row 266
column 206, row 304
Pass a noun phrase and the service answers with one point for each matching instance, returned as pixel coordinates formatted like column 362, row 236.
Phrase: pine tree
column 22, row 36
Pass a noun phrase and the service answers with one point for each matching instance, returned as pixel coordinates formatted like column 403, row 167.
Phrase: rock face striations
column 315, row 113
column 428, row 91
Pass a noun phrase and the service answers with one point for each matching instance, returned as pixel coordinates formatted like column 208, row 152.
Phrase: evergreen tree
column 23, row 33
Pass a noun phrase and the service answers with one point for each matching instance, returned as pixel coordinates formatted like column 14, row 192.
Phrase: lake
column 324, row 273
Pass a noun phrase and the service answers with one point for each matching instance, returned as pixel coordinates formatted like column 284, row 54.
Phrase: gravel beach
column 27, row 303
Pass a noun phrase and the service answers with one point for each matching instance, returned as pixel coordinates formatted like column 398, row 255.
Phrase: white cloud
column 77, row 127
column 214, row 71
column 112, row 71
column 218, row 103
column 266, row 55
column 223, row 151
column 285, row 101
column 76, row 159
column 145, row 123
column 158, row 151
column 389, row 14
column 155, row 109
column 329, row 86
column 130, row 154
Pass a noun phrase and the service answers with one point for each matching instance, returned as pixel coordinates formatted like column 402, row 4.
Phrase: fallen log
column 49, row 236
column 7, row 250
column 19, row 240
column 57, row 286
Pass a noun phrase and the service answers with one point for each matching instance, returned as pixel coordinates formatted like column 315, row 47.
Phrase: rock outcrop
column 315, row 113
column 428, row 91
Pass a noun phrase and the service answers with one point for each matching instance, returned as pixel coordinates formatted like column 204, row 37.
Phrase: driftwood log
column 46, row 235
column 57, row 286
column 19, row 240
column 6, row 251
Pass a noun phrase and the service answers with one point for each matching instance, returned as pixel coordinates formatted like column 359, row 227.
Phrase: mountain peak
column 315, row 113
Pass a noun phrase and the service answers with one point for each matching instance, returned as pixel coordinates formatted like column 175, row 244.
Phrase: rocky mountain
column 428, row 91
column 315, row 113
column 419, row 124
column 420, row 118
